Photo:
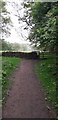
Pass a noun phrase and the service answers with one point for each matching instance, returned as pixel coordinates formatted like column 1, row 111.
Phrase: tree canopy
column 5, row 19
column 42, row 19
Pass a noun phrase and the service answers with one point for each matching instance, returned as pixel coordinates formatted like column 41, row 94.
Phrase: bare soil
column 26, row 97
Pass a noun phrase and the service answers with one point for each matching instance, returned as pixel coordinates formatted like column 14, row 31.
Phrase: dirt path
column 26, row 97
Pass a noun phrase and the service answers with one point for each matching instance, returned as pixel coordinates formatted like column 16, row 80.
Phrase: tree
column 6, row 46
column 5, row 24
column 5, row 19
column 42, row 17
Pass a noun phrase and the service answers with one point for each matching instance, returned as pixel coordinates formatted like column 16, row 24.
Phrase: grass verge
column 0, row 81
column 46, row 71
column 8, row 65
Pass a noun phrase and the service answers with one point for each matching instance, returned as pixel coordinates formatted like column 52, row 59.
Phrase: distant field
column 8, row 66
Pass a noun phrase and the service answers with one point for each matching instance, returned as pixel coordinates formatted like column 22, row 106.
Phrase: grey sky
column 18, row 34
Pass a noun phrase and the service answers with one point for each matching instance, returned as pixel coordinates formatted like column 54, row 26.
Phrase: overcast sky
column 18, row 34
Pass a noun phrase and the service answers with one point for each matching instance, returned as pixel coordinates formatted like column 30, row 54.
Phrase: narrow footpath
column 26, row 97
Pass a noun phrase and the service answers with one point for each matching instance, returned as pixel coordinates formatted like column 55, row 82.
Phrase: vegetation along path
column 26, row 96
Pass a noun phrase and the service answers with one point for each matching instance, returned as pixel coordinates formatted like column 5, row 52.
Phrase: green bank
column 46, row 71
column 8, row 66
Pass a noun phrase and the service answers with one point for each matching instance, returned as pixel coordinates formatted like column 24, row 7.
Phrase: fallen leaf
column 48, row 108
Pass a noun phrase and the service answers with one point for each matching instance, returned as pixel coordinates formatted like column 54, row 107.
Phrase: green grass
column 0, row 81
column 8, row 66
column 46, row 71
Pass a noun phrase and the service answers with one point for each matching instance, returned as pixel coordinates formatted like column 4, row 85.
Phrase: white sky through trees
column 18, row 33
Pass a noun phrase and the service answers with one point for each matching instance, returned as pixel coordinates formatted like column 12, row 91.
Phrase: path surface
column 26, row 97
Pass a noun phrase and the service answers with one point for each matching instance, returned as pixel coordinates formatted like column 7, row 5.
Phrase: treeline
column 6, row 46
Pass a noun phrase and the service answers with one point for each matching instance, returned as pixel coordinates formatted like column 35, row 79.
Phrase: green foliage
column 0, row 81
column 46, row 71
column 5, row 19
column 5, row 46
column 43, row 18
column 2, row 6
column 8, row 65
